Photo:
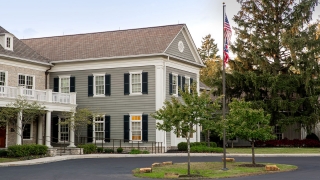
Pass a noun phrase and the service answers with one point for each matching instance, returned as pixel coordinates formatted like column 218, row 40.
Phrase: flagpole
column 224, row 94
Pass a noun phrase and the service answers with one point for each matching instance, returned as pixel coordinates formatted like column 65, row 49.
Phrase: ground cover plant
column 210, row 170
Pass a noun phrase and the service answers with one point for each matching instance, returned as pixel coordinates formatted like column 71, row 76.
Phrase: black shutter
column 145, row 83
column 126, row 84
column 107, row 129
column 191, row 81
column 55, row 129
column 170, row 83
column 90, row 131
column 90, row 85
column 183, row 83
column 144, row 127
column 55, row 84
column 179, row 84
column 126, row 129
column 107, row 80
column 72, row 84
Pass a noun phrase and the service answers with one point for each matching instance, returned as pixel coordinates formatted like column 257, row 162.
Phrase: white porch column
column 40, row 130
column 19, row 128
column 48, row 129
column 72, row 133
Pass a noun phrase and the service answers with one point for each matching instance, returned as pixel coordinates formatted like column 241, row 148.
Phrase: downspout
column 46, row 78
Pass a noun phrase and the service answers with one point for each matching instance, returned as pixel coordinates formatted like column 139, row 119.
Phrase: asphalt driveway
column 120, row 168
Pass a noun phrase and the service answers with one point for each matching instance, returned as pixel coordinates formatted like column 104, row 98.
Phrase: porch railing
column 37, row 95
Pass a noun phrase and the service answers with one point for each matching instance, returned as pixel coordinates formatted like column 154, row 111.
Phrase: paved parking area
column 120, row 168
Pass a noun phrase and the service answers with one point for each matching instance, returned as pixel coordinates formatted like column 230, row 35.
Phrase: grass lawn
column 272, row 150
column 3, row 160
column 211, row 170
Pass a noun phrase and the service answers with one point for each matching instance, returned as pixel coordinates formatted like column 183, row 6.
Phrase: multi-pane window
column 98, row 128
column 136, row 83
column 277, row 132
column 65, row 85
column 64, row 131
column 8, row 42
column 99, row 85
column 27, row 131
column 174, row 84
column 26, row 81
column 136, row 133
column 2, row 78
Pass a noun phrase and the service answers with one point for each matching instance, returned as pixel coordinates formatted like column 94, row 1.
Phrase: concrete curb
column 70, row 157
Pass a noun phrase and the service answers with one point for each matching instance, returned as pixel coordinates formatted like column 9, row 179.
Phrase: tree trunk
column 208, row 137
column 188, row 142
column 253, row 155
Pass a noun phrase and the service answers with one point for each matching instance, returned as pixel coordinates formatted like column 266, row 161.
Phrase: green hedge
column 119, row 150
column 137, row 151
column 27, row 150
column 205, row 149
column 108, row 150
column 3, row 153
column 88, row 148
column 183, row 146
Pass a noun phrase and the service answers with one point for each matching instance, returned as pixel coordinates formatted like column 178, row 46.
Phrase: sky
column 42, row 18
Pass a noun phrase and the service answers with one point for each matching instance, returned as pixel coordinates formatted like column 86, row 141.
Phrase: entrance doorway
column 2, row 137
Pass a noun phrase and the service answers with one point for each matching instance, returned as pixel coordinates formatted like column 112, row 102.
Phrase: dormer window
column 8, row 42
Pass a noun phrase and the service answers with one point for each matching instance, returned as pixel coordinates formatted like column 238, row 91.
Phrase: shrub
column 100, row 150
column 88, row 148
column 145, row 152
column 135, row 151
column 27, row 150
column 312, row 136
column 119, row 150
column 205, row 149
column 182, row 146
column 108, row 150
column 3, row 153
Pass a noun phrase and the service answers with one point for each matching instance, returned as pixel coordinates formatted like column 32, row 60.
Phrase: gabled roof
column 21, row 50
column 122, row 43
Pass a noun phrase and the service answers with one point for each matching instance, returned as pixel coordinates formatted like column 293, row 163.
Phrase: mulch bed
column 252, row 165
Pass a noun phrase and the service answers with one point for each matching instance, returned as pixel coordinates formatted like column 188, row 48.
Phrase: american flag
column 227, row 37
column 227, row 29
column 226, row 52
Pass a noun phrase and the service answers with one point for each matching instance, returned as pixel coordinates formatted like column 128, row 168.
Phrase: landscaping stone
column 229, row 160
column 272, row 168
column 167, row 163
column 171, row 175
column 156, row 165
column 145, row 170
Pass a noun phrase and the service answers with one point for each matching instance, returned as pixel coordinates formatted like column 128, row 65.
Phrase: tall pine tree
column 277, row 66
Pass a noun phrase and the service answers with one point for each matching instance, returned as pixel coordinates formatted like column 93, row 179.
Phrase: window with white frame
column 2, row 78
column 136, row 127
column 187, row 83
column 63, row 130
column 174, row 84
column 98, row 127
column 8, row 42
column 65, row 84
column 26, row 81
column 277, row 132
column 99, row 84
column 136, row 82
column 27, row 131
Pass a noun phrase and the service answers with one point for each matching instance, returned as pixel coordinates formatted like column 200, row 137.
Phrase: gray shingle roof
column 21, row 50
column 143, row 41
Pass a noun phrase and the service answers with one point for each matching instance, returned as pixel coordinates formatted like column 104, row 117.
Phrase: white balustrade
column 37, row 95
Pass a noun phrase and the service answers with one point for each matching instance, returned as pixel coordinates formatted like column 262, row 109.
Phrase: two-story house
column 124, row 75
column 23, row 72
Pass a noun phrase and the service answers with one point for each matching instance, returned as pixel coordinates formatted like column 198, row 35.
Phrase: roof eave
column 27, row 60
column 184, row 60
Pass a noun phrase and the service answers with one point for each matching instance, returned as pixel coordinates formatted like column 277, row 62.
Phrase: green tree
column 180, row 115
column 277, row 67
column 79, row 119
column 209, row 49
column 21, row 111
column 247, row 123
